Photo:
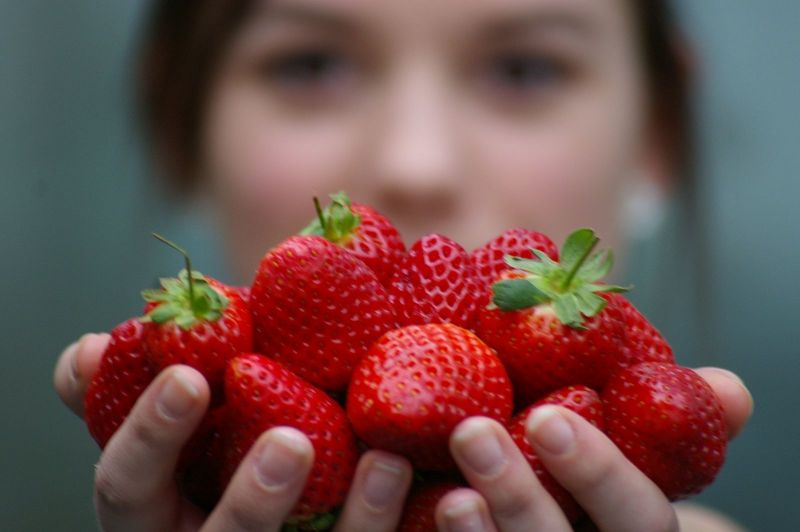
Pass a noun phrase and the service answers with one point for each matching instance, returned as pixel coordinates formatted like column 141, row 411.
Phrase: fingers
column 75, row 368
column 464, row 510
column 737, row 403
column 266, row 485
column 494, row 466
column 375, row 501
column 582, row 459
column 134, row 487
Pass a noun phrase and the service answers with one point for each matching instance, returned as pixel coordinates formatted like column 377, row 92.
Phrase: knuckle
column 109, row 492
column 146, row 432
column 662, row 521
column 509, row 504
column 597, row 474
column 245, row 516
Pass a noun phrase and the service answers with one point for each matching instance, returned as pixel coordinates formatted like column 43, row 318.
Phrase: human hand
column 605, row 485
column 505, row 494
column 134, row 479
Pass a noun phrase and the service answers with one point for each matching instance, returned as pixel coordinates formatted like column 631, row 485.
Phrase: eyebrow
column 539, row 21
column 306, row 15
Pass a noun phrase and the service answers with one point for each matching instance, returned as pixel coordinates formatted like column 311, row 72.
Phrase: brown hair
column 184, row 40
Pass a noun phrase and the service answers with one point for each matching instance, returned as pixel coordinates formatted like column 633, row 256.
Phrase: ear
column 667, row 150
column 659, row 161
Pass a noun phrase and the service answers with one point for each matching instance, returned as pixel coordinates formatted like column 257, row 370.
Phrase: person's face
column 465, row 118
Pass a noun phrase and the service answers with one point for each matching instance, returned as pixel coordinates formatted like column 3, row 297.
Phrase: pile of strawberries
column 359, row 343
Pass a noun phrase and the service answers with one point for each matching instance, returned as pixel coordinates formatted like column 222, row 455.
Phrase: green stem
column 321, row 216
column 578, row 264
column 186, row 259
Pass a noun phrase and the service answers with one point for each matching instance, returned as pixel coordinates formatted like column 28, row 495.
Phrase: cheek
column 561, row 174
column 265, row 168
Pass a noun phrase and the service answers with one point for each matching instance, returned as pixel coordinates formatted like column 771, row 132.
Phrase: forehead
column 444, row 16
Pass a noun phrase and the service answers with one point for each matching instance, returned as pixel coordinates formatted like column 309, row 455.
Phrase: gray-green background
column 76, row 209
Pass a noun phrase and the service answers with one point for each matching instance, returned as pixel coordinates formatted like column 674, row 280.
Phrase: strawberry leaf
column 608, row 288
column 164, row 312
column 566, row 308
column 336, row 222
column 597, row 266
column 589, row 303
column 571, row 285
column 155, row 295
column 534, row 266
column 318, row 523
column 516, row 294
column 577, row 245
column 545, row 258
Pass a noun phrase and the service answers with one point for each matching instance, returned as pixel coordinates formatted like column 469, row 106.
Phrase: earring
column 643, row 209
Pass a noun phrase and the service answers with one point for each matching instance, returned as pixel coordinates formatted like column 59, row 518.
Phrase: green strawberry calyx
column 187, row 299
column 571, row 285
column 336, row 222
column 319, row 522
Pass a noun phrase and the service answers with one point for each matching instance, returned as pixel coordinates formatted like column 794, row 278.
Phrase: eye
column 525, row 72
column 313, row 68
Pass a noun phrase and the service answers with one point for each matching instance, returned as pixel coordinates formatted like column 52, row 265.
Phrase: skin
column 134, row 488
column 476, row 117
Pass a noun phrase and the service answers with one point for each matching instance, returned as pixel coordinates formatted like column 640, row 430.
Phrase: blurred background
column 76, row 209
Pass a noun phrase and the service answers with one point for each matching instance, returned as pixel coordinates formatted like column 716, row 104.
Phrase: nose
column 415, row 165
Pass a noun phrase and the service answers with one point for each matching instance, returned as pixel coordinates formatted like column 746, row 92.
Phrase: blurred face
column 465, row 118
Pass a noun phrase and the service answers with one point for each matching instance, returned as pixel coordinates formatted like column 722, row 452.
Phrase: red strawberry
column 244, row 293
column 435, row 283
column 669, row 422
column 196, row 321
column 553, row 324
column 643, row 342
column 317, row 309
column 417, row 383
column 489, row 259
column 580, row 399
column 362, row 231
column 261, row 394
column 123, row 375
column 419, row 514
column 200, row 466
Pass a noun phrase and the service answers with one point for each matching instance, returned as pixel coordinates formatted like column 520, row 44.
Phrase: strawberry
column 199, row 469
column 417, row 383
column 643, row 342
column 580, row 399
column 419, row 514
column 244, row 293
column 553, row 324
column 261, row 394
column 317, row 309
column 123, row 375
column 435, row 283
column 669, row 423
column 198, row 321
column 362, row 231
column 489, row 259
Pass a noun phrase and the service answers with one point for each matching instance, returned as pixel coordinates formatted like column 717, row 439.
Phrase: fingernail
column 548, row 429
column 74, row 370
column 726, row 373
column 281, row 459
column 464, row 517
column 382, row 484
column 479, row 447
column 177, row 397
column 73, row 363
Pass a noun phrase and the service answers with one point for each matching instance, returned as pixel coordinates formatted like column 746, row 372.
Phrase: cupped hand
column 134, row 480
column 505, row 494
column 135, row 490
